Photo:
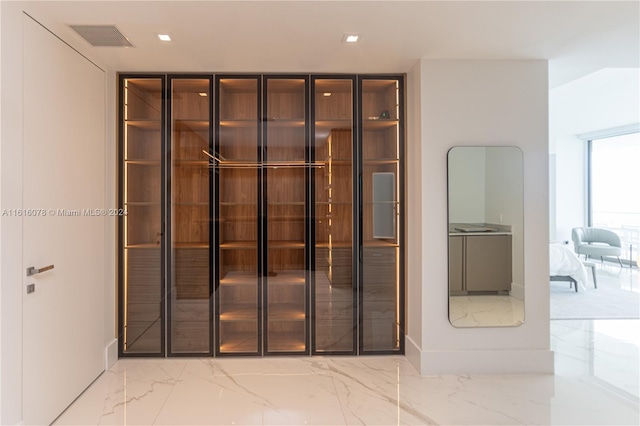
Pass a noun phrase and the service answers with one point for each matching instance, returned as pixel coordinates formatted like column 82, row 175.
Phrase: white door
column 64, row 169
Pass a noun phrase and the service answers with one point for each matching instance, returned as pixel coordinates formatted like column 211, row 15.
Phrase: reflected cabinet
column 263, row 215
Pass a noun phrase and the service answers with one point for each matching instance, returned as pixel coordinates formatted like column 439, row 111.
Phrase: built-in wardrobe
column 264, row 214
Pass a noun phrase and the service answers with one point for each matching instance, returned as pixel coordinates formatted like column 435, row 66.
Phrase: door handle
column 32, row 270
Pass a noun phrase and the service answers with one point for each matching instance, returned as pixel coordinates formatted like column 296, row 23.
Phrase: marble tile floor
column 485, row 311
column 596, row 383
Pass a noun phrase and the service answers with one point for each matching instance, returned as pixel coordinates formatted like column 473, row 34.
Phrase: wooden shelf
column 334, row 124
column 144, row 124
column 191, row 204
column 238, row 245
column 239, row 312
column 286, row 244
column 143, row 246
column 285, row 164
column 142, row 203
column 179, row 245
column 140, row 162
column 241, row 342
column 286, row 203
column 185, row 162
column 287, row 278
column 235, row 278
column 195, row 124
column 285, row 312
column 334, row 244
column 339, row 203
column 250, row 122
column 380, row 124
column 336, row 161
column 284, row 123
column 273, row 122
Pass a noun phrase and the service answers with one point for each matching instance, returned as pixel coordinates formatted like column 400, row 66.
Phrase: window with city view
column 615, row 189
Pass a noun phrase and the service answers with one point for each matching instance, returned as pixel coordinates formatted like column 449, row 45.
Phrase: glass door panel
column 285, row 116
column 142, row 306
column 191, row 290
column 238, row 120
column 380, row 291
column 238, row 292
column 333, row 286
column 285, row 154
column 286, row 271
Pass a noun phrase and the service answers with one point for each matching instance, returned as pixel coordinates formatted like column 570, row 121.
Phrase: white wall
column 11, row 272
column 0, row 210
column 481, row 103
column 496, row 102
column 11, row 197
column 111, row 191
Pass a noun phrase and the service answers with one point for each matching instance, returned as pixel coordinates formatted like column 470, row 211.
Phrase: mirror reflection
column 486, row 258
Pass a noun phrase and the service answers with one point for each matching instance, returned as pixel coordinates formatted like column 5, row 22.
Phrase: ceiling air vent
column 102, row 35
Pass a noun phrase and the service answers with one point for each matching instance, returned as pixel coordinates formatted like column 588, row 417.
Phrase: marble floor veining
column 596, row 383
column 485, row 311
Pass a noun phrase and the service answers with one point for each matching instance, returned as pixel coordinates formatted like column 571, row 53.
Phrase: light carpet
column 617, row 296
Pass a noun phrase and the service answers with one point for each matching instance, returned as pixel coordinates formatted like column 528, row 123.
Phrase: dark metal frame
column 313, row 219
column 264, row 218
column 216, row 216
column 168, row 212
column 401, row 123
column 262, row 249
column 121, row 230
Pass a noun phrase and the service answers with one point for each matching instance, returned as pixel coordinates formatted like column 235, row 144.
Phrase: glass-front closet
column 263, row 215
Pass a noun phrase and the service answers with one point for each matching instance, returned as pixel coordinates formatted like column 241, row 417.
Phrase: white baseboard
column 495, row 361
column 498, row 361
column 413, row 353
column 111, row 354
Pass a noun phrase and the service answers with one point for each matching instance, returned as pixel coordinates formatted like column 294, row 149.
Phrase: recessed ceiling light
column 326, row 94
column 164, row 37
column 351, row 38
column 202, row 93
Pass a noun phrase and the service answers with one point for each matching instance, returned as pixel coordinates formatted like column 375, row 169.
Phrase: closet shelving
column 263, row 214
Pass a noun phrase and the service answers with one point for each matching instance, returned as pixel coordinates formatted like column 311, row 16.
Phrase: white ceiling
column 578, row 37
column 605, row 99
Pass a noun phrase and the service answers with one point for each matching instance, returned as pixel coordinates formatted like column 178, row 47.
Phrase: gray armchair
column 596, row 242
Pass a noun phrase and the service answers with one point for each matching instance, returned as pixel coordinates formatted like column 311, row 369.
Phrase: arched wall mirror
column 486, row 256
